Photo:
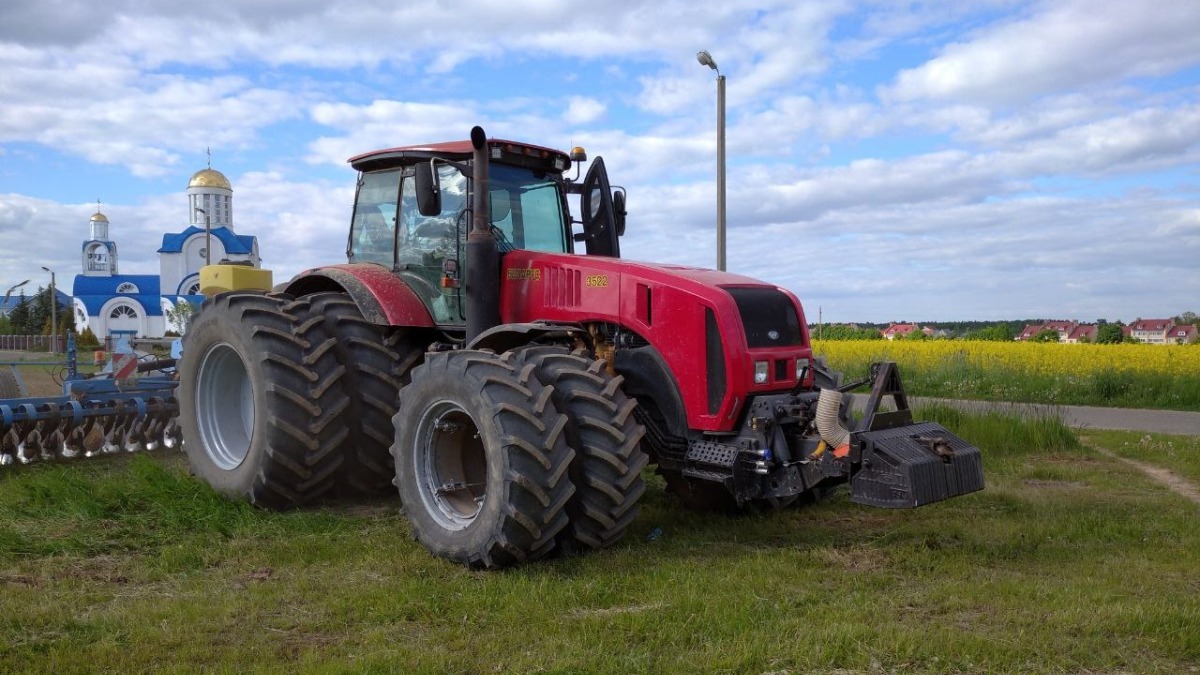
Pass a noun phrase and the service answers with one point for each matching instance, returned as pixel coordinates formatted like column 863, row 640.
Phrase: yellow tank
column 216, row 279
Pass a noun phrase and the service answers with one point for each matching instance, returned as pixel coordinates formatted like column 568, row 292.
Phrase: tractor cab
column 414, row 206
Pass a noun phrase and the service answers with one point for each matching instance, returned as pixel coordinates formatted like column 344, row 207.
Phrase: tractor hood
column 599, row 286
column 697, row 320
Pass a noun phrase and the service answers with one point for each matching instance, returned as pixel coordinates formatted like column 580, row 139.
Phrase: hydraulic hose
column 828, row 420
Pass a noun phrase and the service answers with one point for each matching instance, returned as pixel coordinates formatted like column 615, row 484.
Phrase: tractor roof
column 459, row 150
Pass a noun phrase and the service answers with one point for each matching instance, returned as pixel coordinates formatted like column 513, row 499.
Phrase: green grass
column 1069, row 561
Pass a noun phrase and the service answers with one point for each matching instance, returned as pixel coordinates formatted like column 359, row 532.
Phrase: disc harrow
column 100, row 415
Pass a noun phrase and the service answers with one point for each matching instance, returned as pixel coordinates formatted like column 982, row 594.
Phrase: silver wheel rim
column 224, row 406
column 450, row 465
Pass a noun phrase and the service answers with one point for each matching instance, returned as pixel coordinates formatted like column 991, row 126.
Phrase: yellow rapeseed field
column 1127, row 375
column 1027, row 357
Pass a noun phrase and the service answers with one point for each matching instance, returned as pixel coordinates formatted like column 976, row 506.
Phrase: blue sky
column 916, row 161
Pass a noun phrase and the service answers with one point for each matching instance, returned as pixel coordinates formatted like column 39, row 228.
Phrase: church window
column 194, row 289
column 123, row 312
column 97, row 258
column 127, row 287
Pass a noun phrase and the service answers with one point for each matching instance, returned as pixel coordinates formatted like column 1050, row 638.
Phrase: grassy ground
column 1068, row 561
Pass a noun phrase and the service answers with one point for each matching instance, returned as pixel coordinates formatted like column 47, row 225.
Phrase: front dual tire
column 482, row 460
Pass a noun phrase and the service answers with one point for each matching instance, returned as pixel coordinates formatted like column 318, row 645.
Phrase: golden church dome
column 99, row 218
column 209, row 178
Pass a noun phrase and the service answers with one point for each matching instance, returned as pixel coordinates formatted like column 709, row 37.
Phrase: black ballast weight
column 902, row 464
column 914, row 465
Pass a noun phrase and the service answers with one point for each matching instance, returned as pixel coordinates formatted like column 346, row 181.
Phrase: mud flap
column 912, row 465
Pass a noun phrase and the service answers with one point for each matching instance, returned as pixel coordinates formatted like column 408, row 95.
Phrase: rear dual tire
column 376, row 363
column 261, row 403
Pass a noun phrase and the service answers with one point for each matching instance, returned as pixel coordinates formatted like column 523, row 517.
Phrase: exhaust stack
column 483, row 258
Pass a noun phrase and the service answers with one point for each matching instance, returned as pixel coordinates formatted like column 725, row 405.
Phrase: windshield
column 526, row 207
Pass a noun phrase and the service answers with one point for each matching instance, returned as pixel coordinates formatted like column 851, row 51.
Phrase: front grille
column 768, row 316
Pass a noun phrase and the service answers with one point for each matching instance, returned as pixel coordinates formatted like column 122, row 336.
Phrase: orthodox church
column 109, row 302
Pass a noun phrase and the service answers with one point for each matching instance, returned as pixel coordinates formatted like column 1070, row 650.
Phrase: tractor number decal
column 525, row 274
column 596, row 281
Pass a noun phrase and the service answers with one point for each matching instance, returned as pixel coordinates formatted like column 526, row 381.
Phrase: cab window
column 425, row 243
column 526, row 208
column 373, row 228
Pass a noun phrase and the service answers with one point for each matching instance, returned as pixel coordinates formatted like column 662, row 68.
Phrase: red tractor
column 514, row 389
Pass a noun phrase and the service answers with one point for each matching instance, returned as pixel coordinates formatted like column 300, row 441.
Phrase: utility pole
column 207, row 237
column 53, row 313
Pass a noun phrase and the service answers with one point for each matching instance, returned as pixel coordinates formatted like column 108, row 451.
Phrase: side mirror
column 429, row 192
column 619, row 211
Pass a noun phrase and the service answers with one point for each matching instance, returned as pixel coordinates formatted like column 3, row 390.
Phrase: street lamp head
column 706, row 59
column 48, row 269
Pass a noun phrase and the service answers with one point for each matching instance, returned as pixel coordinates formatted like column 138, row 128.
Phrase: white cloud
column 583, row 110
column 1076, row 43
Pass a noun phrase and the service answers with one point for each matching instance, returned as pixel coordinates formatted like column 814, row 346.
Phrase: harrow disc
column 68, row 427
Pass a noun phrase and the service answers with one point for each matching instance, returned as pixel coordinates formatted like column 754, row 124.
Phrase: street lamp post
column 207, row 237
column 53, row 313
column 10, row 291
column 706, row 59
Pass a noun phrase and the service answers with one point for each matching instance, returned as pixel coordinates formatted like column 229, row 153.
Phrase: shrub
column 87, row 340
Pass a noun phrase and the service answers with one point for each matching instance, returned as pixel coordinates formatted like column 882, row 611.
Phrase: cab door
column 600, row 220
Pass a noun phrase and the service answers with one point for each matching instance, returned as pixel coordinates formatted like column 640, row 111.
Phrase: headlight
column 801, row 367
column 760, row 372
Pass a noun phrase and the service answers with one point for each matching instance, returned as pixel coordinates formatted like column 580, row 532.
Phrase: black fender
column 508, row 336
column 382, row 297
column 648, row 377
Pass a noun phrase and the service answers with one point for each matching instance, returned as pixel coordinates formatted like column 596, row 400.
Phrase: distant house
column 901, row 330
column 1150, row 331
column 1181, row 334
column 1029, row 331
column 1083, row 332
column 1063, row 328
column 7, row 306
column 896, row 330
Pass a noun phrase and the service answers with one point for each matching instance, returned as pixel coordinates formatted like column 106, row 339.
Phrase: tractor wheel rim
column 225, row 406
column 451, row 465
